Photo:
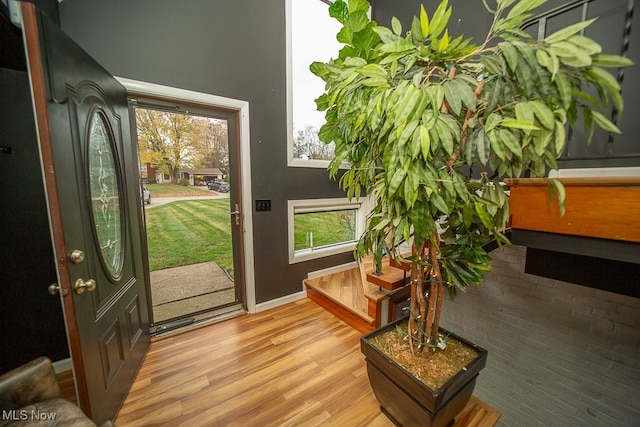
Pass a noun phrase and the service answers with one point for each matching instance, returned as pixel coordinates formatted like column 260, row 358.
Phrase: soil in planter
column 433, row 367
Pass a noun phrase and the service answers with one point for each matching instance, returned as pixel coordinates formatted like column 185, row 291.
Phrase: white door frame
column 141, row 88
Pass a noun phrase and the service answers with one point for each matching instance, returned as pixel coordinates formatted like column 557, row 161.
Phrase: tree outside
column 307, row 145
column 173, row 141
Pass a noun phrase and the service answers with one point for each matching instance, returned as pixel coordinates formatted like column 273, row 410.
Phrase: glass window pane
column 322, row 229
column 105, row 195
column 313, row 38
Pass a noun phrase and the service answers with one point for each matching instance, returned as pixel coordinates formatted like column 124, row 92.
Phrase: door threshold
column 179, row 326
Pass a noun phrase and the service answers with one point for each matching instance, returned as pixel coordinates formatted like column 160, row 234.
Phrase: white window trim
column 324, row 205
column 141, row 88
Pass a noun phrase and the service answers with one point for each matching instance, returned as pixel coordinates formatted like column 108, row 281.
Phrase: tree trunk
column 426, row 301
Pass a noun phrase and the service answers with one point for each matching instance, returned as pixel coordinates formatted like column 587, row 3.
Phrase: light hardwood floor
column 295, row 365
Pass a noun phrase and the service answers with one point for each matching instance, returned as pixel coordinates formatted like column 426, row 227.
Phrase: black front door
column 92, row 184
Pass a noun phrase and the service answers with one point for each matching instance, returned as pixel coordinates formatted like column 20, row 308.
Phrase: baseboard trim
column 280, row 301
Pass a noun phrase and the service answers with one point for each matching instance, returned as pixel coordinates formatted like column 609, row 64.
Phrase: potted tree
column 430, row 126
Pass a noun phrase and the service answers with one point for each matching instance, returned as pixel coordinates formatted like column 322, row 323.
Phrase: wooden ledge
column 600, row 207
column 596, row 181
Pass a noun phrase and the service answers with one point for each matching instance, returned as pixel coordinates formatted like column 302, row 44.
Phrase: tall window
column 311, row 36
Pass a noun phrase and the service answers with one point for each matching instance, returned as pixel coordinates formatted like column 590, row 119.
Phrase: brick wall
column 559, row 354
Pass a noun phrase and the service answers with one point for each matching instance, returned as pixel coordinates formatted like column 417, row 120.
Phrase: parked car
column 146, row 196
column 219, row 186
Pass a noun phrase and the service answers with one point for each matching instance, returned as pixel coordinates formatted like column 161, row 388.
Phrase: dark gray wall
column 226, row 48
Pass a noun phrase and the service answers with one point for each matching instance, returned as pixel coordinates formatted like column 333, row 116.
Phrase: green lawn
column 189, row 232
column 328, row 228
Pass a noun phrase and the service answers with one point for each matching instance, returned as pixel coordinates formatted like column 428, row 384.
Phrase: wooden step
column 338, row 309
column 391, row 278
column 343, row 295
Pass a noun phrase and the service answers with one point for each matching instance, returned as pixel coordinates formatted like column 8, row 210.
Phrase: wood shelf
column 601, row 207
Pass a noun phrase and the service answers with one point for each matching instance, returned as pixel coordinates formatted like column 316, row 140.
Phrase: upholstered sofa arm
column 28, row 384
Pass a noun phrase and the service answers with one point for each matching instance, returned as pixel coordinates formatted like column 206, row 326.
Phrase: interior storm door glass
column 105, row 194
column 313, row 230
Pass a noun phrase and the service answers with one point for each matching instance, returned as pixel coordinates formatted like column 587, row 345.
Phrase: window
column 323, row 227
column 311, row 36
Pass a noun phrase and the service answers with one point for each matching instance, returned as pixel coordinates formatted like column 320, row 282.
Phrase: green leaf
column 493, row 64
column 567, row 32
column 424, row 21
column 510, row 53
column 564, row 89
column 406, row 104
column 396, row 26
column 561, row 137
column 494, row 95
column 425, row 142
column 460, row 187
column 611, row 61
column 484, row 147
column 445, row 136
column 511, row 142
column 339, row 11
column 373, row 70
column 435, row 92
column 602, row 78
column 578, row 61
column 556, row 187
column 586, row 44
column 439, row 203
column 397, row 46
column 604, row 123
column 492, row 121
column 357, row 21
column 345, row 35
column 452, row 95
column 518, row 124
column 407, row 132
column 566, row 50
column 524, row 6
column 543, row 114
column 396, row 180
column 497, row 146
column 416, row 31
column 440, row 19
column 484, row 216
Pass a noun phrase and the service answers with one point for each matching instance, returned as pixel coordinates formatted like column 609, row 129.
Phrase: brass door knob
column 81, row 285
column 77, row 256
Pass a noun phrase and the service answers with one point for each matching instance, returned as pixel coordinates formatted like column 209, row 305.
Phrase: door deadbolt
column 77, row 256
column 81, row 285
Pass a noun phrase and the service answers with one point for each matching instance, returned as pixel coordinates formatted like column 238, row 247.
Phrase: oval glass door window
column 105, row 194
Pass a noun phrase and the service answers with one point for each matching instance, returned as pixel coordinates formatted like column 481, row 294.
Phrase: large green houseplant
column 431, row 125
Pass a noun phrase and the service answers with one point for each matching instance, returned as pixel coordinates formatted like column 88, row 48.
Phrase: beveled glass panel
column 105, row 195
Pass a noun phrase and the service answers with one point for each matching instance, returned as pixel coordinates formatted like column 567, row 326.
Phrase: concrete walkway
column 187, row 289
